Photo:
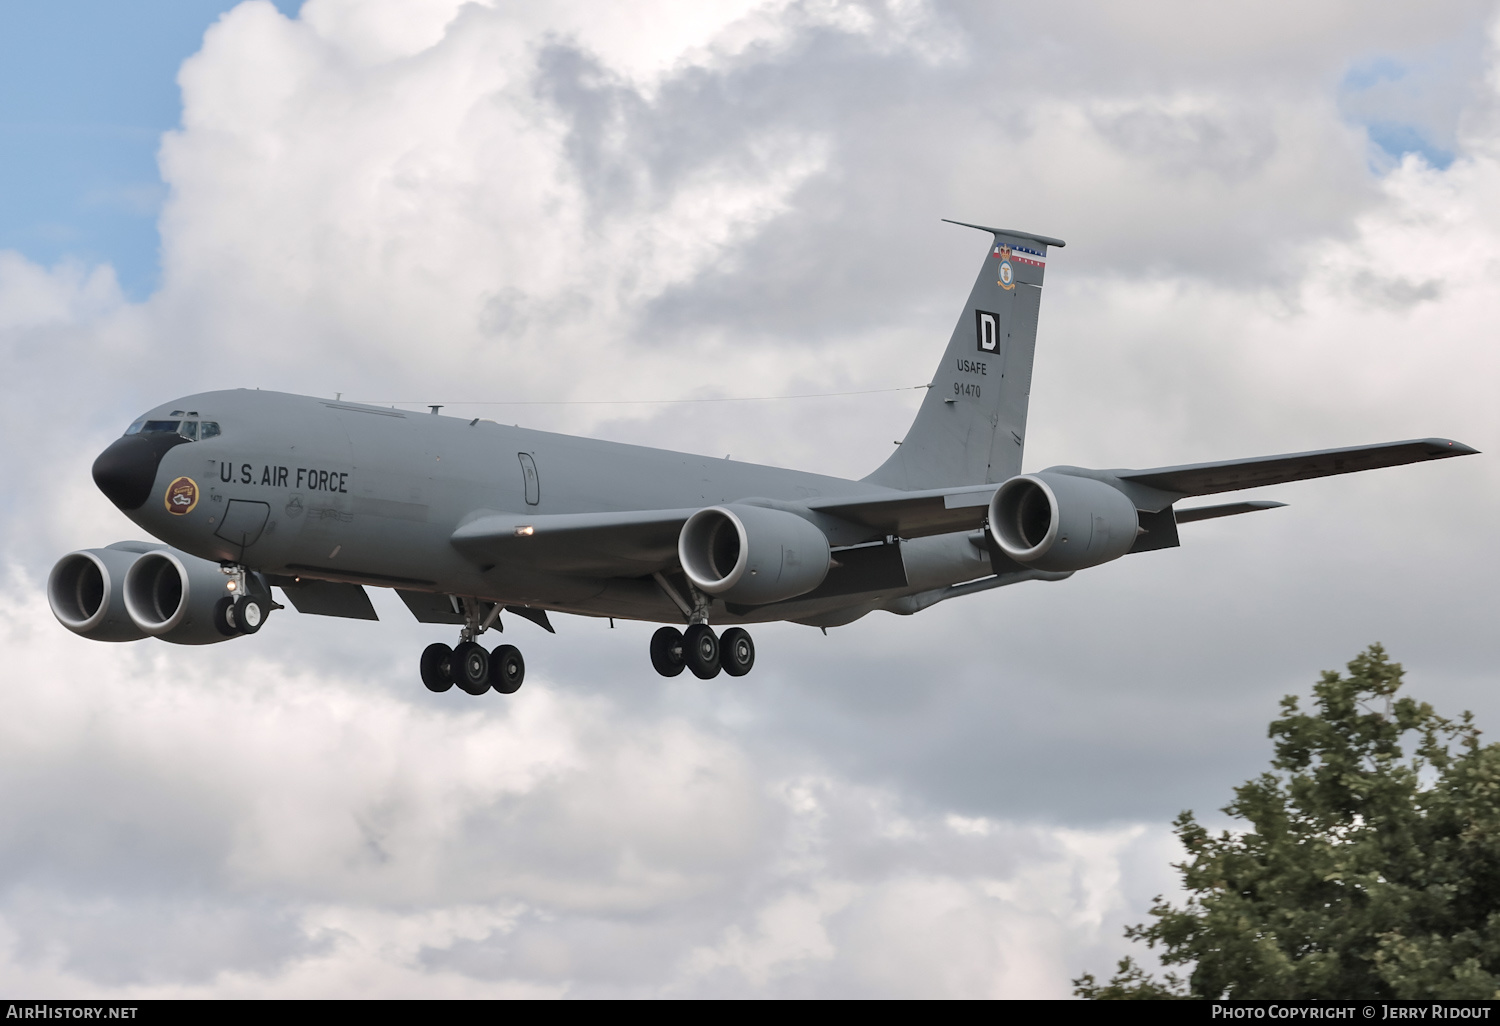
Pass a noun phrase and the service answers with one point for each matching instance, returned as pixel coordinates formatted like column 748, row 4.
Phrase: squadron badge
column 1007, row 273
column 182, row 496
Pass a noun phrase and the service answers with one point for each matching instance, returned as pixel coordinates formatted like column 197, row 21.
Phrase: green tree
column 1361, row 871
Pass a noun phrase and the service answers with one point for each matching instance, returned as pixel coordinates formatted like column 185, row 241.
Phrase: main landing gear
column 699, row 650
column 468, row 664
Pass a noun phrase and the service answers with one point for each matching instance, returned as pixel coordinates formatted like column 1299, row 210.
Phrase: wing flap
column 614, row 544
column 430, row 606
column 912, row 514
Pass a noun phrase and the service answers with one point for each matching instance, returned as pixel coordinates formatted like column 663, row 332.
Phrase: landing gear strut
column 468, row 664
column 247, row 604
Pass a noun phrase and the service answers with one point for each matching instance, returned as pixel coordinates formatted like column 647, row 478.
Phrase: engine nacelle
column 178, row 598
column 1059, row 522
column 86, row 590
column 752, row 555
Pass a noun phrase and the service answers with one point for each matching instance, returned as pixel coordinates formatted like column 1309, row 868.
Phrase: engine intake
column 1059, row 522
column 86, row 592
column 179, row 598
column 752, row 555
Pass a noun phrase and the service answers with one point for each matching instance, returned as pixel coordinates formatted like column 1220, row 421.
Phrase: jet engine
column 1059, row 522
column 86, row 591
column 180, row 598
column 752, row 555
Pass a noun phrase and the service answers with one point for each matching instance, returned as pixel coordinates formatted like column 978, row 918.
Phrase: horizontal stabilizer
column 1233, row 475
column 1228, row 509
column 1045, row 240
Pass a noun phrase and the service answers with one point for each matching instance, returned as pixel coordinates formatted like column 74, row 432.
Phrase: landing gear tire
column 224, row 617
column 471, row 667
column 667, row 652
column 700, row 650
column 736, row 651
column 507, row 669
column 437, row 662
column 249, row 614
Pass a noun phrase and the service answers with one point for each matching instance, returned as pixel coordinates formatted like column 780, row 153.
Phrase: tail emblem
column 1007, row 275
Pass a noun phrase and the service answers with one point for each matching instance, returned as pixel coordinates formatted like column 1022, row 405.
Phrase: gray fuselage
column 367, row 495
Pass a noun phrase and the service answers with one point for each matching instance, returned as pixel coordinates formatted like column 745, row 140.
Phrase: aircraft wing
column 1233, row 475
column 610, row 544
column 940, row 510
column 639, row 542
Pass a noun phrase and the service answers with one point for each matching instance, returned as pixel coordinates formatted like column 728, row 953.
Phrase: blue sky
column 86, row 89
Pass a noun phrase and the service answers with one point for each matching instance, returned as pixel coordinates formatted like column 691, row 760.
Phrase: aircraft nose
column 126, row 470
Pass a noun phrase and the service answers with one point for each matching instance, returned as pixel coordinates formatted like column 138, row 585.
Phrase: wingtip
column 1448, row 447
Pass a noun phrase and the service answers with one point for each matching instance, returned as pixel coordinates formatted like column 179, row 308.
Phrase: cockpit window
column 190, row 429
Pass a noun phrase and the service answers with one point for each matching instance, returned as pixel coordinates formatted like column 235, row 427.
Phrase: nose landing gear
column 467, row 664
column 247, row 604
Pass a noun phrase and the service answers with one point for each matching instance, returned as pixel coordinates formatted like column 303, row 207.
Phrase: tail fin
column 971, row 428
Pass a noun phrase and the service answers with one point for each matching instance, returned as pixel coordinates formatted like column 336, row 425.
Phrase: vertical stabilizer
column 971, row 428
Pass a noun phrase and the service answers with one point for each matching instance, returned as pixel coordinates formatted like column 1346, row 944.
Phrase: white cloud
column 445, row 202
column 261, row 830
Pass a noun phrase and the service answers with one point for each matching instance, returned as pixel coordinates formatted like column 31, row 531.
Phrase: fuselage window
column 188, row 429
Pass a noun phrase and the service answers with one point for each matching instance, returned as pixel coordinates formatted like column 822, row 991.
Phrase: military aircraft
column 320, row 498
